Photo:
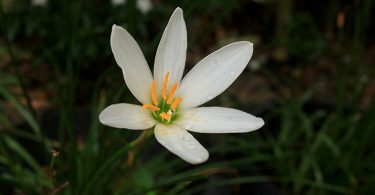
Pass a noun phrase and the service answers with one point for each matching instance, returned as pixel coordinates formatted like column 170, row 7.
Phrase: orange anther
column 165, row 116
column 151, row 107
column 171, row 93
column 165, row 85
column 153, row 93
column 175, row 103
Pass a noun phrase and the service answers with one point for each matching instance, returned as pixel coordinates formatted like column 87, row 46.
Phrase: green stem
column 72, row 14
column 134, row 145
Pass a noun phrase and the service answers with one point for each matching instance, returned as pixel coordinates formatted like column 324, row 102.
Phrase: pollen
column 151, row 107
column 153, row 93
column 166, row 116
column 165, row 86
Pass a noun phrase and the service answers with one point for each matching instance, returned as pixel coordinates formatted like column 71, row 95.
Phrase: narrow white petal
column 181, row 143
column 128, row 116
column 218, row 120
column 171, row 53
column 130, row 58
column 215, row 73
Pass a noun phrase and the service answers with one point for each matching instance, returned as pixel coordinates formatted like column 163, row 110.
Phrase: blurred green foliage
column 308, row 146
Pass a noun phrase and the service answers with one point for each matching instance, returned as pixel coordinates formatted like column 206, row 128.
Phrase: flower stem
column 135, row 146
column 129, row 148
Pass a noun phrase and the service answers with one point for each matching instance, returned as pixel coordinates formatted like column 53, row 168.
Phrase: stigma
column 164, row 107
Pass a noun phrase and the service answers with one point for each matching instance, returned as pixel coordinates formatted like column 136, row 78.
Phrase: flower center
column 165, row 110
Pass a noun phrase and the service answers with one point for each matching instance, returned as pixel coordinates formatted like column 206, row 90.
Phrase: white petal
column 144, row 6
column 171, row 53
column 218, row 120
column 181, row 143
column 215, row 73
column 128, row 116
column 130, row 58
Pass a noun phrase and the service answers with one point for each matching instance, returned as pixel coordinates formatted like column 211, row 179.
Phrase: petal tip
column 247, row 47
column 247, row 44
column 250, row 44
column 178, row 9
column 178, row 12
column 200, row 160
column 101, row 117
column 115, row 27
column 260, row 122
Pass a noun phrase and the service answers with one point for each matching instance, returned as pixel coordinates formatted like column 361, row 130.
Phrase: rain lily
column 170, row 103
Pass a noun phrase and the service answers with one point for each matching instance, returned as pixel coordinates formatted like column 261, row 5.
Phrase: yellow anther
column 151, row 107
column 153, row 93
column 171, row 93
column 165, row 86
column 175, row 103
column 165, row 116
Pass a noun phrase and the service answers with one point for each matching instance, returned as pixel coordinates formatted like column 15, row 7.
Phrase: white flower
column 118, row 2
column 39, row 2
column 170, row 104
column 144, row 6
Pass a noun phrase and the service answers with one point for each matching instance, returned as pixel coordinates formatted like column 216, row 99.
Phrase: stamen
column 171, row 93
column 165, row 116
column 168, row 103
column 165, row 85
column 151, row 107
column 153, row 93
column 175, row 103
